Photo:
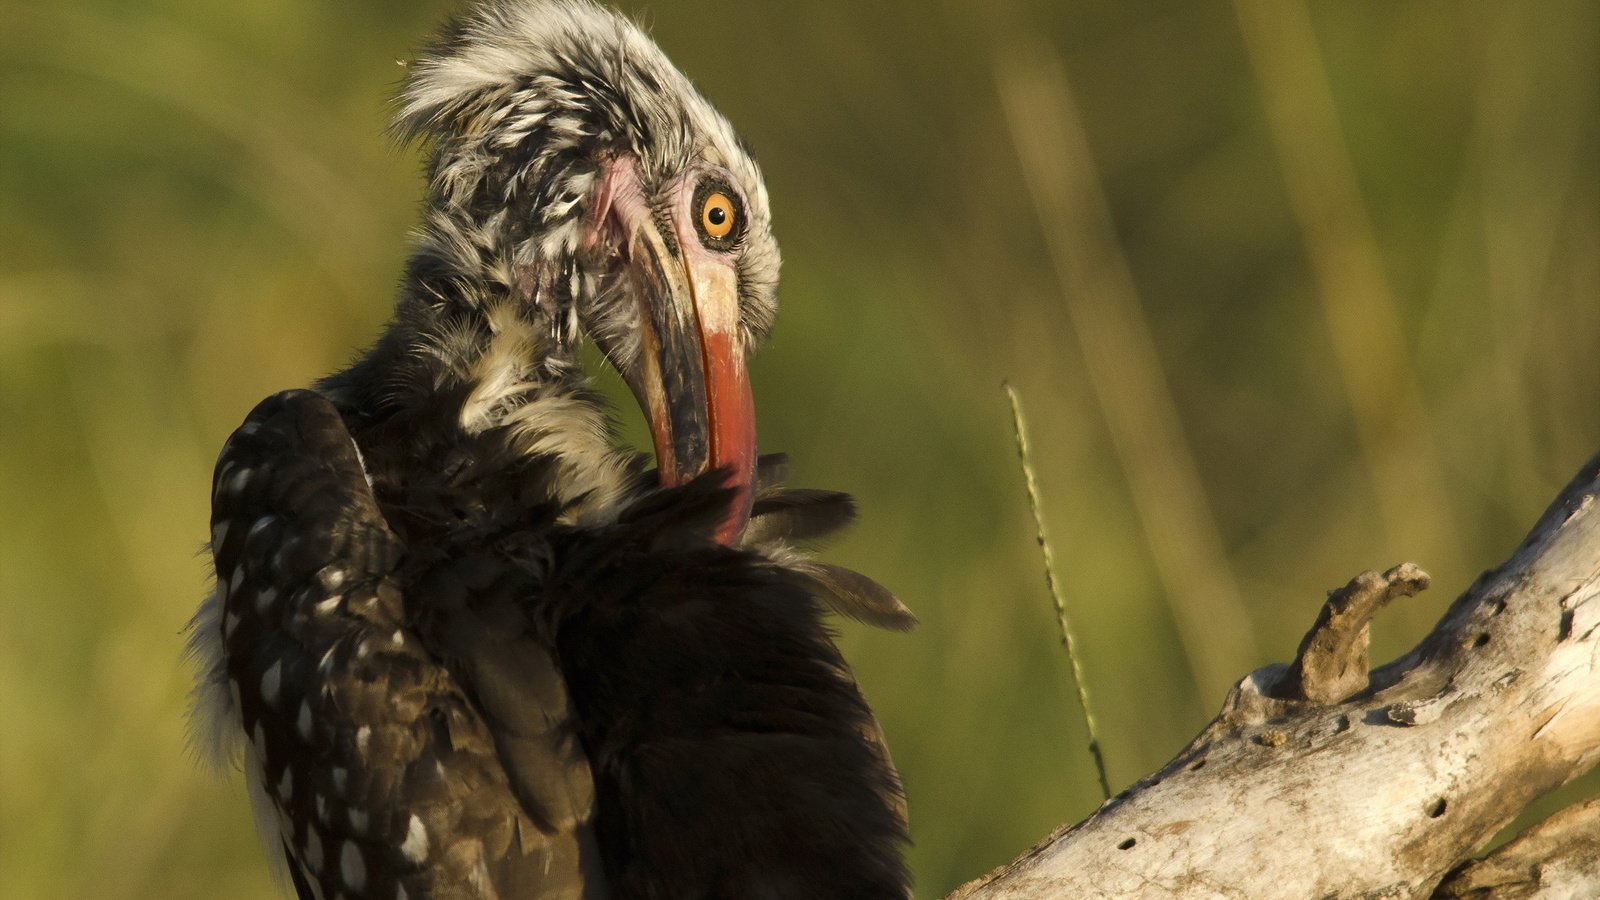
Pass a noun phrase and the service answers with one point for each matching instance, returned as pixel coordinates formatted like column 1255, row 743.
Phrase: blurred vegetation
column 1290, row 291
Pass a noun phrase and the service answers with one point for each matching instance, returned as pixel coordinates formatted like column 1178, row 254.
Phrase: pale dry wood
column 1558, row 858
column 1318, row 781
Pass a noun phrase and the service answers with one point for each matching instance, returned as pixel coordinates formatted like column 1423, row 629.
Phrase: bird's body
column 469, row 649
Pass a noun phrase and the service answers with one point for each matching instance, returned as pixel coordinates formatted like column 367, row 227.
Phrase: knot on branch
column 1332, row 664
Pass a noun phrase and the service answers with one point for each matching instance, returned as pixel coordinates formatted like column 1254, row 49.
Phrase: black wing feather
column 384, row 768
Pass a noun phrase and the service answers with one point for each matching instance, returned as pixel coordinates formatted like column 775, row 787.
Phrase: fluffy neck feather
column 476, row 361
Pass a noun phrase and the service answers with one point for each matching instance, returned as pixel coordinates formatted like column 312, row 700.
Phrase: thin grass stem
column 1024, row 453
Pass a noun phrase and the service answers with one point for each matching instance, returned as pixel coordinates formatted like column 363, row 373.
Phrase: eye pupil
column 717, row 215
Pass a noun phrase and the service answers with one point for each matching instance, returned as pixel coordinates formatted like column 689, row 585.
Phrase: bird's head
column 579, row 184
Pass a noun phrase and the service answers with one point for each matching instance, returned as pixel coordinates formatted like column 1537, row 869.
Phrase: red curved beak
column 689, row 376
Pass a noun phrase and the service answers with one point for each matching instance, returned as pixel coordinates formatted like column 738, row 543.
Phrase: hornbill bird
column 461, row 644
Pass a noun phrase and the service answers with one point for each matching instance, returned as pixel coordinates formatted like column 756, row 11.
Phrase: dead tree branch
column 1559, row 857
column 1318, row 779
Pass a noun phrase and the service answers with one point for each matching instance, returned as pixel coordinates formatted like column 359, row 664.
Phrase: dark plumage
column 731, row 750
column 468, row 648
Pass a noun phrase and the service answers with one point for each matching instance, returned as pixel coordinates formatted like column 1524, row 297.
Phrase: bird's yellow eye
column 717, row 215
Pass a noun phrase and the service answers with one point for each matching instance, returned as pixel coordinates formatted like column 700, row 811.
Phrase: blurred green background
column 1289, row 291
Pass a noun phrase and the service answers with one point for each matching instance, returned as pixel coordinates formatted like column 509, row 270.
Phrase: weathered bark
column 1559, row 857
column 1318, row 780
